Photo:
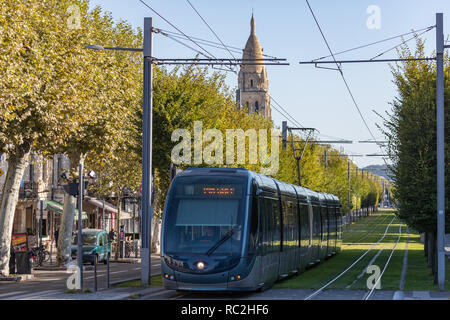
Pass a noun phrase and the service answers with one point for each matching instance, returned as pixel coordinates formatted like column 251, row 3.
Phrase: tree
column 410, row 128
column 104, row 95
column 33, row 92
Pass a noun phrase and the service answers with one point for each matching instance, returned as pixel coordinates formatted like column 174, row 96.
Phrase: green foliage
column 58, row 97
column 411, row 132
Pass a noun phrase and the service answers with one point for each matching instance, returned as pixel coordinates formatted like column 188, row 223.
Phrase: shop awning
column 108, row 207
column 58, row 207
column 101, row 203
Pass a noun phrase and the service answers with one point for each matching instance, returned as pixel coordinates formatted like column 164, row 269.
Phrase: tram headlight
column 167, row 276
column 200, row 265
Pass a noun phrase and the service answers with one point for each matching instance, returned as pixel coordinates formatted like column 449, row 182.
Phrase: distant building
column 253, row 82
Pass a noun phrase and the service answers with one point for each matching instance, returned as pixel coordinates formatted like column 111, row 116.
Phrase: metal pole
column 107, row 270
column 40, row 221
column 134, row 227
column 284, row 134
column 95, row 273
column 147, row 211
column 440, row 149
column 80, row 224
column 348, row 202
column 298, row 170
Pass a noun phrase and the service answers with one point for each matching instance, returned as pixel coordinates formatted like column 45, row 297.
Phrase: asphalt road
column 46, row 282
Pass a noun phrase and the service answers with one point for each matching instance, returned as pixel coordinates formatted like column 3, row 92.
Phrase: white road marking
column 10, row 293
column 33, row 295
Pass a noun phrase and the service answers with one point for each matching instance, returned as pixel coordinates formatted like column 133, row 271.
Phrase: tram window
column 304, row 221
column 268, row 224
column 316, row 221
column 288, row 224
column 225, row 212
column 276, row 225
column 252, row 240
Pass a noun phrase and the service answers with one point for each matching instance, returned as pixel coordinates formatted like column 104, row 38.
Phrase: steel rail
column 351, row 266
column 372, row 230
column 367, row 296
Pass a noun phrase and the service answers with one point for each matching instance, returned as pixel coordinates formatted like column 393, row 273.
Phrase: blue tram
column 227, row 229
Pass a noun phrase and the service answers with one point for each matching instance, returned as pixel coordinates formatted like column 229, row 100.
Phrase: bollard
column 107, row 271
column 95, row 273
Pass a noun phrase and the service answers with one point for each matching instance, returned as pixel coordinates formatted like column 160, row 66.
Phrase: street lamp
column 147, row 211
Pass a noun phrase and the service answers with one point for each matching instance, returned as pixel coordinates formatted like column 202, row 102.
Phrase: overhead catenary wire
column 218, row 38
column 403, row 42
column 171, row 35
column 342, row 75
column 374, row 43
column 210, row 43
column 294, row 121
column 215, row 34
column 176, row 28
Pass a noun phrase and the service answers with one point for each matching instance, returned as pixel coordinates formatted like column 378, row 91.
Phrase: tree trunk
column 63, row 254
column 156, row 245
column 10, row 195
column 430, row 250
column 119, row 200
column 425, row 244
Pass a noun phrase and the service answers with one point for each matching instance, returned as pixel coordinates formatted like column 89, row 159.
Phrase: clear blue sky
column 286, row 29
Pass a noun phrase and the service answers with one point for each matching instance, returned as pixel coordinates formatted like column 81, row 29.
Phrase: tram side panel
column 290, row 236
column 338, row 228
column 324, row 231
column 268, row 235
column 315, row 256
column 305, row 236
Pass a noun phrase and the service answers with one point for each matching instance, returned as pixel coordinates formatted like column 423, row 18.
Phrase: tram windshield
column 205, row 216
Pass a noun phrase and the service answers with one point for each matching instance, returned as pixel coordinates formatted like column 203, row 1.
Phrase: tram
column 231, row 229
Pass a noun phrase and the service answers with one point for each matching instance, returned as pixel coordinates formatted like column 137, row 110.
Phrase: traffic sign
column 1, row 172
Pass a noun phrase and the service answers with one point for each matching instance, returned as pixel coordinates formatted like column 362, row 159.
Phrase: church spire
column 252, row 25
column 253, row 83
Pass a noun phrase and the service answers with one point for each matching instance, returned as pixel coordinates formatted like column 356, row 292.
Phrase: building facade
column 253, row 82
column 42, row 182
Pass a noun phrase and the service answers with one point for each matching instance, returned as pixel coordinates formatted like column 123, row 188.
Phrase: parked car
column 96, row 245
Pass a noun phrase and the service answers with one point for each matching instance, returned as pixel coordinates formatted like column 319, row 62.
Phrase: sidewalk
column 421, row 295
column 107, row 294
column 46, row 265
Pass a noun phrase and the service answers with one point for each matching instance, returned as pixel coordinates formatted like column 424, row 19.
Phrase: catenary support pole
column 348, row 201
column 440, row 149
column 80, row 224
column 147, row 211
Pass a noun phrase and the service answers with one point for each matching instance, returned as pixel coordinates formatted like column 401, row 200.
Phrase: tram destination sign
column 221, row 191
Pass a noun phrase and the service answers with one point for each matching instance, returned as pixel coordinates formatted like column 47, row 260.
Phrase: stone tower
column 253, row 92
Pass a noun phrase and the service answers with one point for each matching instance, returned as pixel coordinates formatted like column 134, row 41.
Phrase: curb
column 22, row 277
column 124, row 261
column 123, row 280
column 130, row 279
column 398, row 295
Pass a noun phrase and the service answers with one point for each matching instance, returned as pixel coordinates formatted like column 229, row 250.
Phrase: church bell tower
column 253, row 92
